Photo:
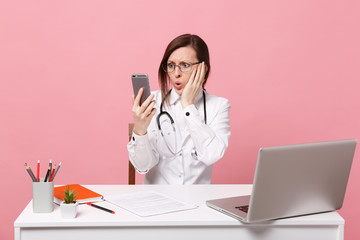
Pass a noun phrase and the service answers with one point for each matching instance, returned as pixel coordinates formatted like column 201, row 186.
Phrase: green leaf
column 69, row 195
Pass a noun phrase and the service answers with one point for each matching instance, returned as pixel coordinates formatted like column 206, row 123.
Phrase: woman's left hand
column 194, row 85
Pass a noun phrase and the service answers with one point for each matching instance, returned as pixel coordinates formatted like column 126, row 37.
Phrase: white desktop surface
column 200, row 223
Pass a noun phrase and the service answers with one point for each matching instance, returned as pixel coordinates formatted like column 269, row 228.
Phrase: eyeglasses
column 183, row 66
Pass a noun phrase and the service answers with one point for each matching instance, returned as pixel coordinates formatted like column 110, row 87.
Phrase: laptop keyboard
column 243, row 208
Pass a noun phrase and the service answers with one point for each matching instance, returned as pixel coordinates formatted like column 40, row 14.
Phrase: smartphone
column 141, row 81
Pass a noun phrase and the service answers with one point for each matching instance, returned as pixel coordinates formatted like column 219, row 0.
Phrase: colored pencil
column 47, row 175
column 50, row 165
column 57, row 169
column 38, row 171
column 102, row 208
column 30, row 173
column 52, row 174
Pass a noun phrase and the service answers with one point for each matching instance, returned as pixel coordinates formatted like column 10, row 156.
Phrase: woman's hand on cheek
column 193, row 86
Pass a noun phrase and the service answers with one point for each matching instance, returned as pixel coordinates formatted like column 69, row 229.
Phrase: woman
column 182, row 152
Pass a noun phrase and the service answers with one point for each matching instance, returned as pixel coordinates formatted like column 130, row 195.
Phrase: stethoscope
column 165, row 113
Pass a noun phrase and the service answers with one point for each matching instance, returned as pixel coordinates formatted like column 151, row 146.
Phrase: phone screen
column 141, row 81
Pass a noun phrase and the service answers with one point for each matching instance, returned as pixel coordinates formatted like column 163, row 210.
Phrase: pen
column 28, row 169
column 57, row 169
column 47, row 175
column 102, row 208
column 38, row 171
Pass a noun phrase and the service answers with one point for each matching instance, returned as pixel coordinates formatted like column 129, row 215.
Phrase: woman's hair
column 202, row 54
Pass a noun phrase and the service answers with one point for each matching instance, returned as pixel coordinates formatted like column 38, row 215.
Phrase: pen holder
column 43, row 196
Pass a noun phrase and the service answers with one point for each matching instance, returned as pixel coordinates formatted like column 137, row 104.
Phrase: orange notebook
column 83, row 194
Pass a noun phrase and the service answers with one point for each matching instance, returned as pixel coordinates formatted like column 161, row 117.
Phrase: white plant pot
column 68, row 210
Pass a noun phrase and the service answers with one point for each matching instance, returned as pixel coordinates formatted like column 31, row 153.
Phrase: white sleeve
column 211, row 139
column 141, row 152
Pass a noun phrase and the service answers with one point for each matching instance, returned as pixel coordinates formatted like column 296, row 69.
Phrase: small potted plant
column 68, row 206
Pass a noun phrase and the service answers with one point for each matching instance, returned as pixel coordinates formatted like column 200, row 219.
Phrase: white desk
column 200, row 223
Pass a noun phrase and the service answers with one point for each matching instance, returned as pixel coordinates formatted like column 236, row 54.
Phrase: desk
column 200, row 223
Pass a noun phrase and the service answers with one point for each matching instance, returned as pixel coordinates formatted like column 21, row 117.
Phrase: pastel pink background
column 291, row 70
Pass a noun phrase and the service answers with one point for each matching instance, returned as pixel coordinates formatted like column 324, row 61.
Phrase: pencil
column 38, row 171
column 50, row 165
column 29, row 171
column 57, row 169
column 102, row 208
column 52, row 174
column 47, row 175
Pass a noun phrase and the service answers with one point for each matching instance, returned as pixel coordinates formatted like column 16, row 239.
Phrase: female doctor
column 180, row 131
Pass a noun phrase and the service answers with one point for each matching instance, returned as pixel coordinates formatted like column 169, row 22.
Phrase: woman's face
column 180, row 56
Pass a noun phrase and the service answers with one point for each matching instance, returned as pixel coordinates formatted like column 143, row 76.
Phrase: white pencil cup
column 43, row 196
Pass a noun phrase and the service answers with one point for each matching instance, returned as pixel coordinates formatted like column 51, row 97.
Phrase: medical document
column 148, row 203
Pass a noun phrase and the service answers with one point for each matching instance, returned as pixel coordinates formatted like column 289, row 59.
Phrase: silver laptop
column 294, row 180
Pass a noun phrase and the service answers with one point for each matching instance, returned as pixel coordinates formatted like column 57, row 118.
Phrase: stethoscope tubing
column 162, row 112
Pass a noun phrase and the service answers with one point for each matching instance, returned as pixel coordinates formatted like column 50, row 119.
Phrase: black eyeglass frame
column 164, row 67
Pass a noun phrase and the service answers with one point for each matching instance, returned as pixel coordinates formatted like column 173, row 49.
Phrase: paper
column 148, row 203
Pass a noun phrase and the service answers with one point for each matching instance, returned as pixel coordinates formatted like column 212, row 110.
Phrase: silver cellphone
column 141, row 81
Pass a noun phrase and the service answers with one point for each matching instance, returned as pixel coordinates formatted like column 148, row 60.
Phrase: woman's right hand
column 142, row 114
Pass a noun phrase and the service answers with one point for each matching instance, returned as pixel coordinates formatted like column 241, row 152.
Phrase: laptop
column 294, row 180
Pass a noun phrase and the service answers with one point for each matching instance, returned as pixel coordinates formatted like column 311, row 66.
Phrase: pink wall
column 289, row 68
